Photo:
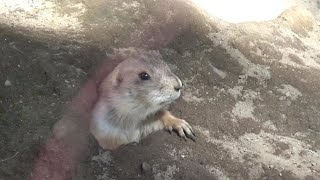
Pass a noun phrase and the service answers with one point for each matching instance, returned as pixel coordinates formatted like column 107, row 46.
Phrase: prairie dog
column 132, row 100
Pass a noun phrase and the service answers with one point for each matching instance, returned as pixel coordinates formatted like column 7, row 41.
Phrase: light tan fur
column 130, row 108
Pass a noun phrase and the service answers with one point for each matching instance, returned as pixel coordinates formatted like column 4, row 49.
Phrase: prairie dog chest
column 105, row 123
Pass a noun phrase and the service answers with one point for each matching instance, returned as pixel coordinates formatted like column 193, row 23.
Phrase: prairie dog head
column 142, row 83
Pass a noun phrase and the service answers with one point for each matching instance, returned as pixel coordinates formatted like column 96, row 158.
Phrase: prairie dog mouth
column 166, row 102
column 169, row 100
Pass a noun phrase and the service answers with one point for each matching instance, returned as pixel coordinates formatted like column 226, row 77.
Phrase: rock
column 145, row 167
column 300, row 20
column 7, row 83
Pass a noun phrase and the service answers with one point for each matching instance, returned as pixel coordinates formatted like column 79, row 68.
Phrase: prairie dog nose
column 179, row 86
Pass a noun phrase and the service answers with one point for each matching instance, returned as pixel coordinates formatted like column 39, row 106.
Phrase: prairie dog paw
column 182, row 127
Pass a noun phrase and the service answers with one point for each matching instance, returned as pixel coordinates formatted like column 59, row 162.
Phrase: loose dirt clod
column 145, row 167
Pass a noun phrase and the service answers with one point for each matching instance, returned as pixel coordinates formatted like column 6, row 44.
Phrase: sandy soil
column 251, row 91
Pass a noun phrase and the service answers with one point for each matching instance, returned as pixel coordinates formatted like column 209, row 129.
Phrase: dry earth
column 252, row 90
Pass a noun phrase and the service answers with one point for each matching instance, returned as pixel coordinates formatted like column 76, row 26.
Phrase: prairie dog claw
column 183, row 129
column 181, row 126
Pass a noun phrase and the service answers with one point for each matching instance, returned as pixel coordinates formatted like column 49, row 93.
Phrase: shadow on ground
column 251, row 92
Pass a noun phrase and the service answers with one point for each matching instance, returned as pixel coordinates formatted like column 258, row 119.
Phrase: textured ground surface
column 252, row 89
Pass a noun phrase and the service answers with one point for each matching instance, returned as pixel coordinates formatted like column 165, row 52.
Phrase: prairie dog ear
column 119, row 79
column 116, row 77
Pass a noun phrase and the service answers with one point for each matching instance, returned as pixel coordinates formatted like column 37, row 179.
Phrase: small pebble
column 7, row 83
column 145, row 167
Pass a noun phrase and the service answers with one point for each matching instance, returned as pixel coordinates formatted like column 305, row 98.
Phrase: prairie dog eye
column 144, row 76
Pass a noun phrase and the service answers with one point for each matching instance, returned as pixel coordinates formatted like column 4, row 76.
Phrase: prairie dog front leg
column 180, row 125
column 165, row 120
